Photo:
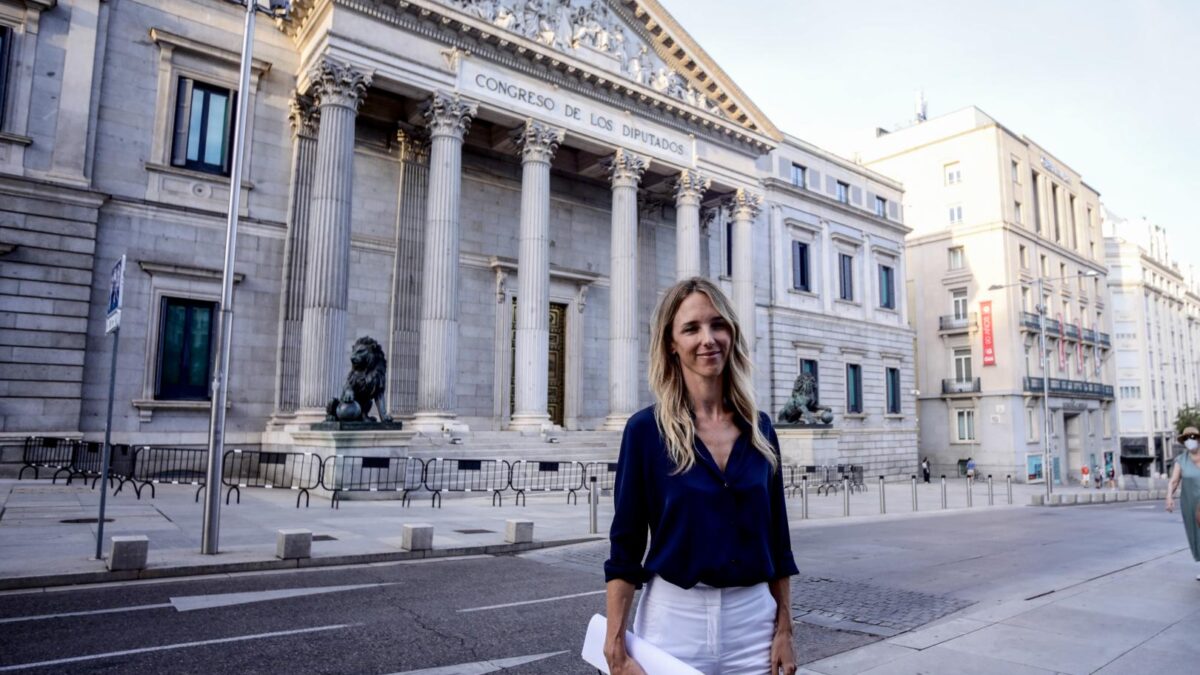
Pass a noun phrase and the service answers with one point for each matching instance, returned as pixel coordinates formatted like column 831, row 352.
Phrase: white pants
column 718, row 631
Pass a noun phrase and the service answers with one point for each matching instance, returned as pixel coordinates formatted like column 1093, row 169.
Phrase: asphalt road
column 526, row 614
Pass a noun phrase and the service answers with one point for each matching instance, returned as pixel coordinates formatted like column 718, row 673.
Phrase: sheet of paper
column 652, row 659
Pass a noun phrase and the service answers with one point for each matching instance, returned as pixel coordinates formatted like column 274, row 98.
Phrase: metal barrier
column 167, row 466
column 857, row 480
column 534, row 476
column 605, row 473
column 46, row 453
column 300, row 471
column 349, row 473
column 87, row 462
column 444, row 474
column 828, row 479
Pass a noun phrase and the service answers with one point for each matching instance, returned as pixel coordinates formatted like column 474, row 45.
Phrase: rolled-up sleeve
column 627, row 535
column 782, row 559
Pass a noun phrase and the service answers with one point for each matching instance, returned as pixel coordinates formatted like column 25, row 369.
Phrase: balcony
column 1072, row 388
column 1029, row 321
column 954, row 323
column 1105, row 341
column 953, row 386
column 1089, row 335
column 1052, row 327
column 1072, row 331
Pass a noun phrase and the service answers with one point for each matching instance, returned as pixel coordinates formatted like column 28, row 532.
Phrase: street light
column 1047, row 468
column 276, row 9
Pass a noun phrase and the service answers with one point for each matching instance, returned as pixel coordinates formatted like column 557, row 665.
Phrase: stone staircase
column 570, row 446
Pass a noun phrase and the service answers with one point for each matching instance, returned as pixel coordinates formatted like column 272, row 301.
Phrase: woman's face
column 700, row 337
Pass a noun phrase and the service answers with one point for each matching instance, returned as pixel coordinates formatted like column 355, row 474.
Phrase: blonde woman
column 1185, row 478
column 700, row 472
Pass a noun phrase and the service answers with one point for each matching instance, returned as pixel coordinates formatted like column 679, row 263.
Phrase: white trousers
column 718, row 631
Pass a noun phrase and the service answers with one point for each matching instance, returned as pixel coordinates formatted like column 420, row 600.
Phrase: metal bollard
column 1008, row 479
column 882, row 498
column 914, row 490
column 804, row 498
column 943, row 491
column 970, row 497
column 845, row 496
column 593, row 506
column 991, row 494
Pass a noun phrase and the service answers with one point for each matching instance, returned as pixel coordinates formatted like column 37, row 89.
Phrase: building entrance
column 556, row 363
column 1074, row 428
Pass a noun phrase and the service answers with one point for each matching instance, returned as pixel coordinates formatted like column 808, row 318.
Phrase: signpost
column 112, row 324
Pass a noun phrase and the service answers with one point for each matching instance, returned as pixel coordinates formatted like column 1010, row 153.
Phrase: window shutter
column 183, row 114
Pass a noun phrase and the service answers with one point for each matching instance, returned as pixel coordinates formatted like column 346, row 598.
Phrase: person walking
column 970, row 468
column 1185, row 477
column 925, row 469
column 700, row 471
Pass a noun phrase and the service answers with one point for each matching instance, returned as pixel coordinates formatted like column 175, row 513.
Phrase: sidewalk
column 37, row 548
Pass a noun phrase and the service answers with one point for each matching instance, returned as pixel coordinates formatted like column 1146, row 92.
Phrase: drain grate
column 475, row 531
column 324, row 537
column 84, row 521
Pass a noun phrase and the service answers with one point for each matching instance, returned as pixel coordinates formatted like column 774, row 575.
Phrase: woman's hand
column 783, row 656
column 619, row 660
column 1170, row 504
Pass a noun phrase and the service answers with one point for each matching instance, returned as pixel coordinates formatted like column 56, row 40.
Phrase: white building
column 1156, row 326
column 992, row 213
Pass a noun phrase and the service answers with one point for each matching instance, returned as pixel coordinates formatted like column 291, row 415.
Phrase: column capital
column 414, row 146
column 449, row 114
column 626, row 168
column 536, row 141
column 745, row 204
column 338, row 84
column 690, row 186
column 304, row 115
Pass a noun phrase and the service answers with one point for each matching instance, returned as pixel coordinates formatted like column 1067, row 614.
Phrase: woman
column 925, row 469
column 1187, row 474
column 700, row 470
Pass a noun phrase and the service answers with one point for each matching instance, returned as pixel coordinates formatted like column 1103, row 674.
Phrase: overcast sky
column 1111, row 87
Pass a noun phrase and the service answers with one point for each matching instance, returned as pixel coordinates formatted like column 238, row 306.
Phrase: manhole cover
column 474, row 531
column 84, row 521
column 324, row 537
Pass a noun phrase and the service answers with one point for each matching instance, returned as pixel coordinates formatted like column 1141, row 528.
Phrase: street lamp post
column 220, row 381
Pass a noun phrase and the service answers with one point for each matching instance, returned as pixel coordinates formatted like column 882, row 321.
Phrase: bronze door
column 556, row 380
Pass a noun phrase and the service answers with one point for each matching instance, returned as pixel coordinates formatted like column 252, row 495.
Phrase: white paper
column 652, row 659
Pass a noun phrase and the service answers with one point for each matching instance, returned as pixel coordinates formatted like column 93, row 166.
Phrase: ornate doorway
column 556, row 388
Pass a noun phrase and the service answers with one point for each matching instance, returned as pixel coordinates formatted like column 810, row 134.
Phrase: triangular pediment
column 636, row 41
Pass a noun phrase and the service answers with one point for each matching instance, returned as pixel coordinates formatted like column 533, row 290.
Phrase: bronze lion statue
column 365, row 384
column 801, row 407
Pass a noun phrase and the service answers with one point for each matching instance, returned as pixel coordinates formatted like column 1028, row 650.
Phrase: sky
column 1110, row 87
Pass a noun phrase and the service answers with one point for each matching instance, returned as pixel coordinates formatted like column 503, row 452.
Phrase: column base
column 529, row 421
column 616, row 421
column 435, row 422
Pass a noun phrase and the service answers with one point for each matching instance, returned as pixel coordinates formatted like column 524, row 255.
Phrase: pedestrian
column 1185, row 477
column 925, row 469
column 1097, row 476
column 1112, row 477
column 970, row 468
column 700, row 472
column 1084, row 479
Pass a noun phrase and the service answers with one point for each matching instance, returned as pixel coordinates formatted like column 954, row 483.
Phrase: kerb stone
column 417, row 537
column 293, row 544
column 518, row 531
column 128, row 552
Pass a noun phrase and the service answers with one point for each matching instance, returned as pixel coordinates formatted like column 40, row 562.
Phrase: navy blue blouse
column 706, row 526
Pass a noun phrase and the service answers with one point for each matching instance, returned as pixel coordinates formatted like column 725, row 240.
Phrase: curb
column 166, row 572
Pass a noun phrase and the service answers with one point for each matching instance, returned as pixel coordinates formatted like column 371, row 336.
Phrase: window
column 1031, row 430
column 1023, row 255
column 893, row 390
column 956, row 257
column 1037, row 205
column 853, row 388
column 185, row 349
column 881, row 207
column 1017, row 213
column 1062, row 273
column 728, row 249
column 847, row 276
column 953, row 173
column 1054, row 212
column 843, row 192
column 887, row 287
column 966, row 424
column 955, row 214
column 203, row 127
column 809, row 366
column 1028, row 361
column 962, row 365
column 1025, row 300
column 799, row 175
column 5, row 51
column 800, row 268
column 1016, row 172
column 958, row 302
column 1044, row 266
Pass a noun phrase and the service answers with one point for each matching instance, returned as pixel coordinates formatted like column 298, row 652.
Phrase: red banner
column 989, row 340
column 1062, row 345
column 1079, row 350
column 1096, row 350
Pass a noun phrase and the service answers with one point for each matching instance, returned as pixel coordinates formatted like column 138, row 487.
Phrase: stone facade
column 413, row 169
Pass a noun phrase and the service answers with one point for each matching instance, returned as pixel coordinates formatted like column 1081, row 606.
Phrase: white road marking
column 180, row 645
column 481, row 667
column 40, row 617
column 531, row 602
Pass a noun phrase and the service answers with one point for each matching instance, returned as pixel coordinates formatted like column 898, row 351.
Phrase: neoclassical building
column 497, row 191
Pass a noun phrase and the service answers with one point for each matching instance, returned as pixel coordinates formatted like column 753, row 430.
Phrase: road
column 859, row 583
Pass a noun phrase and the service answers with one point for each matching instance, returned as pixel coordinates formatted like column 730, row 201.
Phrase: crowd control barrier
column 605, row 474
column 88, row 461
column 299, row 471
column 46, row 453
column 534, row 476
column 167, row 466
column 348, row 473
column 443, row 474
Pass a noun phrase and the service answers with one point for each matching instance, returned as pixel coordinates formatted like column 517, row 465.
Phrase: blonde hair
column 672, row 410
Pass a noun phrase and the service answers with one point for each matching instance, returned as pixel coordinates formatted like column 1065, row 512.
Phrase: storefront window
column 1033, row 465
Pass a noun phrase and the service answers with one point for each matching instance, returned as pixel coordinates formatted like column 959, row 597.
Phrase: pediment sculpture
column 590, row 30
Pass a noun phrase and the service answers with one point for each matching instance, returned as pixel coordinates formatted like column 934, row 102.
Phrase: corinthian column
column 448, row 117
column 689, row 189
column 626, row 171
column 538, row 143
column 338, row 90
column 744, row 207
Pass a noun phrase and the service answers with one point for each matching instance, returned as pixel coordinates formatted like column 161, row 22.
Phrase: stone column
column 538, row 143
column 304, row 118
column 689, row 189
column 449, row 117
column 406, row 274
column 338, row 90
column 626, row 171
column 744, row 206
